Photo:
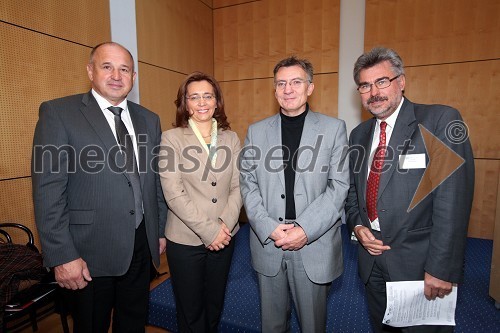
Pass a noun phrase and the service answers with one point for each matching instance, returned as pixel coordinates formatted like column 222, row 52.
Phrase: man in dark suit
column 99, row 207
column 407, row 232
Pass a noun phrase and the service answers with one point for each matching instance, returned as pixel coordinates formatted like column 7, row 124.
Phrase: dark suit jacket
column 83, row 200
column 431, row 237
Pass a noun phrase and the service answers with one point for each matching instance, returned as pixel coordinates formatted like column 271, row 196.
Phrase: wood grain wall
column 174, row 38
column 451, row 52
column 226, row 3
column 250, row 37
column 43, row 55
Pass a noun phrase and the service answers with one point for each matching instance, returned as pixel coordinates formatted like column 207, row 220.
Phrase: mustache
column 377, row 99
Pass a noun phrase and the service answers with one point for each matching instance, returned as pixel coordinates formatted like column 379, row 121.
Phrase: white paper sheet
column 407, row 306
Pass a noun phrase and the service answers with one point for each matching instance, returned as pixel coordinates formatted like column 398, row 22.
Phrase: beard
column 382, row 113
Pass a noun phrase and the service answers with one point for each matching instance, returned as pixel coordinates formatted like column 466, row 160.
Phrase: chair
column 40, row 298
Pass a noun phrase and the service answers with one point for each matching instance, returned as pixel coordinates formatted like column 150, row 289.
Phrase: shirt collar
column 391, row 120
column 104, row 104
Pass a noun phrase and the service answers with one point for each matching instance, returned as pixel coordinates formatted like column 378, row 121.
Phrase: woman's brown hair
column 182, row 113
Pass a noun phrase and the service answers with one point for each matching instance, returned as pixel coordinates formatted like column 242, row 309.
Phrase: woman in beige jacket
column 200, row 181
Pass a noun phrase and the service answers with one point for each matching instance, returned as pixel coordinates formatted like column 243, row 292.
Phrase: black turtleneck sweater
column 291, row 132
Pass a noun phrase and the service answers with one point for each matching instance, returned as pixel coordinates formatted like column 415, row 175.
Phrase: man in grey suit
column 99, row 207
column 294, row 181
column 412, row 180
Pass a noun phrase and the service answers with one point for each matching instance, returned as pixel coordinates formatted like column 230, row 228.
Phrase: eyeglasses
column 381, row 83
column 295, row 84
column 197, row 98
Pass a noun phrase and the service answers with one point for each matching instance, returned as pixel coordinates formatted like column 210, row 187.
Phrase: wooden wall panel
column 16, row 204
column 484, row 206
column 225, row 3
column 430, row 32
column 209, row 3
column 31, row 72
column 84, row 21
column 252, row 37
column 470, row 87
column 325, row 98
column 159, row 91
column 248, row 101
column 175, row 35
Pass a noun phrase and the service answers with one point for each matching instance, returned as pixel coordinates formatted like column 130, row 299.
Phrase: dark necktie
column 374, row 176
column 127, row 148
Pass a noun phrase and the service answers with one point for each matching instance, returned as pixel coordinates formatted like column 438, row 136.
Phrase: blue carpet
column 347, row 309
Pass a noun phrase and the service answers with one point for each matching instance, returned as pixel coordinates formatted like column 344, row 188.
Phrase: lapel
column 201, row 154
column 141, row 133
column 273, row 135
column 96, row 119
column 403, row 130
column 310, row 134
column 366, row 142
column 222, row 140
column 93, row 113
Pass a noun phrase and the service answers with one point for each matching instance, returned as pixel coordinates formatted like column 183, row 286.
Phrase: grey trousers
column 309, row 298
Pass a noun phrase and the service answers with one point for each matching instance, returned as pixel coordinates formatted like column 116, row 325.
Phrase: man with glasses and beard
column 402, row 239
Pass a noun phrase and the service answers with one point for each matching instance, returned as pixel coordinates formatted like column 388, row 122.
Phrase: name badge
column 412, row 161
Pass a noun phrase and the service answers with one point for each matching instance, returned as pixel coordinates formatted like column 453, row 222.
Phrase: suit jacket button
column 364, row 209
column 282, row 196
column 214, row 200
column 214, row 183
column 129, row 184
column 281, row 219
column 131, row 212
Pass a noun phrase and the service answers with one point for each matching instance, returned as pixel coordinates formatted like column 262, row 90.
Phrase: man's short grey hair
column 376, row 56
column 294, row 61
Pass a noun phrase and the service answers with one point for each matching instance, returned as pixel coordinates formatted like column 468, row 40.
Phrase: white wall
column 351, row 46
column 124, row 32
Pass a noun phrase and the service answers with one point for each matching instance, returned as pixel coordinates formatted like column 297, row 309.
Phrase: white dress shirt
column 391, row 122
column 110, row 117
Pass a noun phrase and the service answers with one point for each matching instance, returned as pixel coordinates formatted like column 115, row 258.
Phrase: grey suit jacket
column 83, row 200
column 321, row 184
column 431, row 237
column 197, row 194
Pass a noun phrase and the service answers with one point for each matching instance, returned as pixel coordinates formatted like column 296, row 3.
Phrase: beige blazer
column 197, row 194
